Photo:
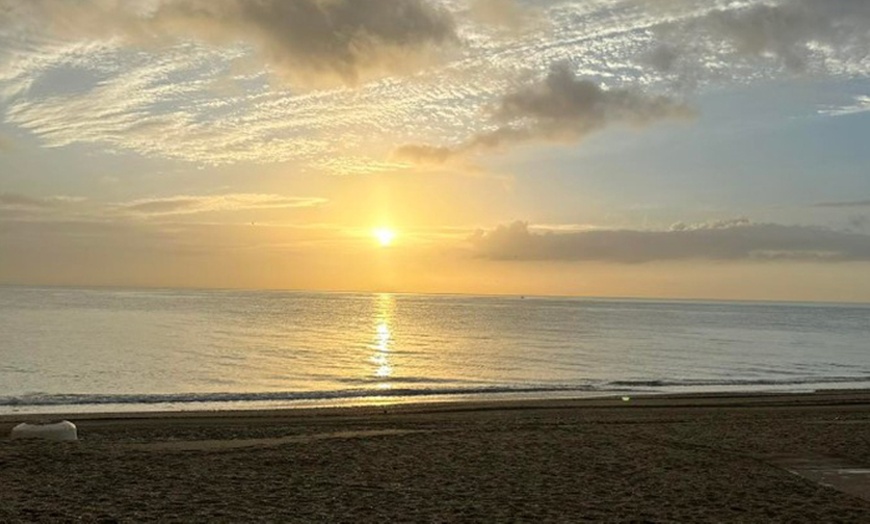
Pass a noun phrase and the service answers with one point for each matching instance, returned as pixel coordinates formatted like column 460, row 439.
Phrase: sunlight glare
column 384, row 236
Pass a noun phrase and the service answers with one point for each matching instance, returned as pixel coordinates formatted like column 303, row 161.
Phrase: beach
column 740, row 458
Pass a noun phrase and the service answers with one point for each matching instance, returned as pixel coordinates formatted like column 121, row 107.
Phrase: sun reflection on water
column 382, row 344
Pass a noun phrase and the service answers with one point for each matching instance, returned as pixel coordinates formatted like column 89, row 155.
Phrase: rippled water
column 90, row 349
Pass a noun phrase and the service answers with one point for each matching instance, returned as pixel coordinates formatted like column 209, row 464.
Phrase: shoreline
column 800, row 457
column 818, row 398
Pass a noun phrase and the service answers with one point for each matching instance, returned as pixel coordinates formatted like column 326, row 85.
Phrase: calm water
column 100, row 350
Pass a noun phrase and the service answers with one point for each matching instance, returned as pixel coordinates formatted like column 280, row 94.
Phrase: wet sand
column 761, row 458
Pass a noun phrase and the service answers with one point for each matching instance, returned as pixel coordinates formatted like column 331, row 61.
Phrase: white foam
column 59, row 431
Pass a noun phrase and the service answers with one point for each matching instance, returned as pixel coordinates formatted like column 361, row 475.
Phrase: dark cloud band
column 731, row 241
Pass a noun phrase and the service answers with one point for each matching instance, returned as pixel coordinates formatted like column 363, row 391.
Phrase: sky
column 619, row 148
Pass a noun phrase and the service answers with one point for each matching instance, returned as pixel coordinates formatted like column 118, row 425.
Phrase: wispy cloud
column 188, row 204
column 19, row 202
column 561, row 108
column 310, row 42
column 725, row 241
column 861, row 104
column 14, row 206
column 195, row 80
column 845, row 204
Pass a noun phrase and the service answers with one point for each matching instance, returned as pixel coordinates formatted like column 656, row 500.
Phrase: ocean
column 98, row 350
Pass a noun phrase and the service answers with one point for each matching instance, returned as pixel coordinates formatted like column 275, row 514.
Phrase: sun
column 384, row 236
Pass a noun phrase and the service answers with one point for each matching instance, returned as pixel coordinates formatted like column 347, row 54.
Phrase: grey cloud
column 186, row 204
column 423, row 154
column 307, row 41
column 663, row 57
column 562, row 108
column 739, row 240
column 789, row 31
column 712, row 224
column 858, row 221
column 18, row 202
column 849, row 203
column 564, row 105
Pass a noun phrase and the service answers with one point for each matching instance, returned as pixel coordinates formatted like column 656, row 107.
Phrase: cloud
column 788, row 31
column 848, row 203
column 794, row 33
column 565, row 106
column 309, row 42
column 174, row 78
column 561, row 108
column 663, row 57
column 18, row 202
column 860, row 104
column 16, row 207
column 859, row 221
column 724, row 241
column 186, row 204
column 423, row 154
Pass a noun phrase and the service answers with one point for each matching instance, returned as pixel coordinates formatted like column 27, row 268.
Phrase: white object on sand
column 58, row 431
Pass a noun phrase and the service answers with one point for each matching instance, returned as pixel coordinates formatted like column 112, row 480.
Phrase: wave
column 685, row 383
column 617, row 386
column 54, row 399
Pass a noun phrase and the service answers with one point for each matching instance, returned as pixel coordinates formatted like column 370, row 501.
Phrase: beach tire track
column 231, row 444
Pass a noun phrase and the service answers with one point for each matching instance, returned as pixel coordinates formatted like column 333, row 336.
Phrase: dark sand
column 688, row 459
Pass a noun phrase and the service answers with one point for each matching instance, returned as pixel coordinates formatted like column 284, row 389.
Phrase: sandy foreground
column 763, row 458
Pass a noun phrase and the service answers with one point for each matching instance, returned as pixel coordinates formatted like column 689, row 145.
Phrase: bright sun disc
column 384, row 236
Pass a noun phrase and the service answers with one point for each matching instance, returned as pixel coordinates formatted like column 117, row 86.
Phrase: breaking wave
column 350, row 395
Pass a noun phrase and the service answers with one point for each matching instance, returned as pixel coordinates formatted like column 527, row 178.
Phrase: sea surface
column 64, row 350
